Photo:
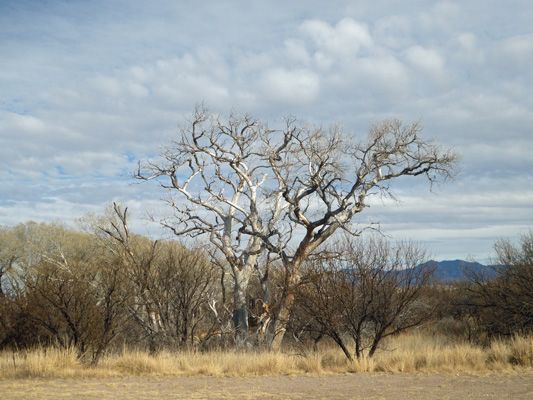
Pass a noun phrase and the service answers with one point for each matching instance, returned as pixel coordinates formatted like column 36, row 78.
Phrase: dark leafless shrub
column 68, row 289
column 172, row 286
column 502, row 295
column 371, row 290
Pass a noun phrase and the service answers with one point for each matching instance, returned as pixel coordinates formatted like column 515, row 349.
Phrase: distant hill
column 449, row 271
column 454, row 270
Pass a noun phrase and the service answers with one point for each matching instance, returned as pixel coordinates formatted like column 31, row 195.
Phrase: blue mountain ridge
column 453, row 270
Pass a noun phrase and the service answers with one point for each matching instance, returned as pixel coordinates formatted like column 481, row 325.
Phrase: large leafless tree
column 252, row 189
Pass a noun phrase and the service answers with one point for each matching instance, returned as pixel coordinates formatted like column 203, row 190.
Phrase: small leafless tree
column 171, row 285
column 501, row 296
column 86, row 290
column 69, row 289
column 251, row 189
column 368, row 291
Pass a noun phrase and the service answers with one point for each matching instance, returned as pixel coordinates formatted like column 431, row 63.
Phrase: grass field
column 409, row 353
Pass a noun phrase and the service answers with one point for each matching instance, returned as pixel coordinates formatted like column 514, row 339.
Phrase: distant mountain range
column 454, row 270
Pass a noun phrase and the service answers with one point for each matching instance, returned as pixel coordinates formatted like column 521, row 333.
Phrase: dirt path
column 357, row 386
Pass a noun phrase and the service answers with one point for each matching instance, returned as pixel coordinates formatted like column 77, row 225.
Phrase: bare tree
column 501, row 296
column 69, row 288
column 171, row 285
column 369, row 290
column 252, row 189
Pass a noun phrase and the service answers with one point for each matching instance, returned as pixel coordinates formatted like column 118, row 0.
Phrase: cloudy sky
column 90, row 87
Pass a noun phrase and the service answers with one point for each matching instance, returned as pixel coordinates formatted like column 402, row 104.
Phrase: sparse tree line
column 102, row 288
column 277, row 257
column 86, row 290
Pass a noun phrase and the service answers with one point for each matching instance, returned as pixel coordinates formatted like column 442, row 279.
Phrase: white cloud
column 385, row 73
column 348, row 60
column 520, row 48
column 467, row 49
column 454, row 219
column 428, row 61
column 513, row 57
column 441, row 17
column 296, row 52
column 346, row 38
column 335, row 44
column 291, row 87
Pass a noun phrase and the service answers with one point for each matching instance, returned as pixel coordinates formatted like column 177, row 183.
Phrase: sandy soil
column 357, row 386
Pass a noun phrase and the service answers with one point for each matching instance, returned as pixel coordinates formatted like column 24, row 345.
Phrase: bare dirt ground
column 356, row 386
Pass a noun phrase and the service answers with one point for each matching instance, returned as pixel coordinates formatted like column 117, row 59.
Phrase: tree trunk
column 285, row 306
column 341, row 344
column 284, row 311
column 280, row 324
column 377, row 338
column 358, row 345
column 240, row 311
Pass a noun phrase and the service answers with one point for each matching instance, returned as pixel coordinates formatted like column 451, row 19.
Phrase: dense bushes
column 95, row 289
column 86, row 290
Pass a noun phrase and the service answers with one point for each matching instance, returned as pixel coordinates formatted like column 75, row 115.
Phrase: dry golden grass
column 409, row 353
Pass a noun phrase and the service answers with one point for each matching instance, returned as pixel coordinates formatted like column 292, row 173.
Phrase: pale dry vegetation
column 408, row 353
